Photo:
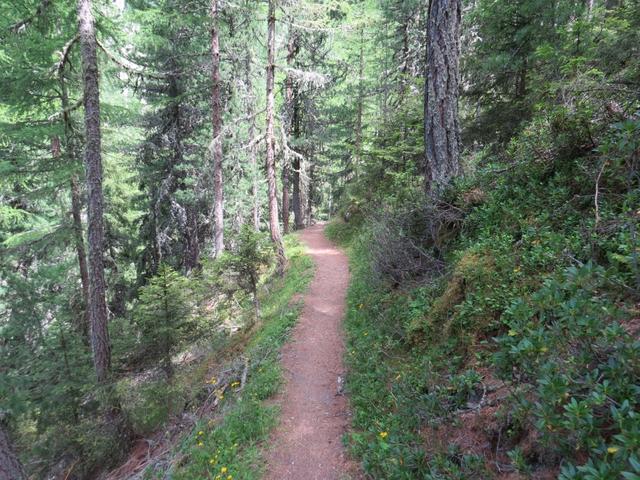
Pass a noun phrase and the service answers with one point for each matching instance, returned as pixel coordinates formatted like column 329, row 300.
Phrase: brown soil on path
column 307, row 445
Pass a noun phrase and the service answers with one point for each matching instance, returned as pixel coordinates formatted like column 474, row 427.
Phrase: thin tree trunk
column 296, row 166
column 360, row 106
column 442, row 137
column 76, row 208
column 192, row 254
column 10, row 466
column 254, row 172
column 276, row 237
column 216, row 120
column 253, row 164
column 93, row 165
column 310, row 193
column 286, row 173
column 292, row 50
column 298, row 217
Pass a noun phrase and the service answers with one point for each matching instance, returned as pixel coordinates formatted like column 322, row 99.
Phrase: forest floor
column 314, row 413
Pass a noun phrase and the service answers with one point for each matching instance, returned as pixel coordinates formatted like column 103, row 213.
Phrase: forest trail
column 308, row 442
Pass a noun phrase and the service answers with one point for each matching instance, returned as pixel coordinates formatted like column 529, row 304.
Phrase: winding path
column 307, row 445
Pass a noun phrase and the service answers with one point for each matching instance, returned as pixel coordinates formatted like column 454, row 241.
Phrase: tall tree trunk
column 290, row 100
column 286, row 174
column 216, row 120
column 254, row 173
column 93, row 165
column 296, row 166
column 76, row 208
column 274, row 226
column 360, row 107
column 253, row 164
column 442, row 135
column 10, row 466
column 310, row 193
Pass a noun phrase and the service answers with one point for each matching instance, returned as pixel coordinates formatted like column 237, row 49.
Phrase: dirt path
column 307, row 444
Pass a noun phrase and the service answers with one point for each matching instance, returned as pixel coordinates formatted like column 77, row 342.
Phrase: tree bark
column 10, row 466
column 192, row 254
column 286, row 174
column 76, row 205
column 93, row 165
column 290, row 111
column 76, row 208
column 274, row 226
column 359, row 107
column 216, row 120
column 442, row 137
column 253, row 164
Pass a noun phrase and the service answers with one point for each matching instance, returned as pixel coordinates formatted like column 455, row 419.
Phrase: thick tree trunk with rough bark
column 10, row 466
column 442, row 134
column 274, row 226
column 93, row 165
column 216, row 120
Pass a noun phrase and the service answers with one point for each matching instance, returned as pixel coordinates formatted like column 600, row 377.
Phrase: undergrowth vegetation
column 225, row 442
column 521, row 358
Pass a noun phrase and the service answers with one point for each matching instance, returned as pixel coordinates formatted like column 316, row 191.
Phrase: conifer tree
column 274, row 218
column 93, row 165
column 442, row 131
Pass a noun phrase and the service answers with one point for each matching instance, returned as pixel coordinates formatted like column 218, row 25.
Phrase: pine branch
column 131, row 66
column 21, row 26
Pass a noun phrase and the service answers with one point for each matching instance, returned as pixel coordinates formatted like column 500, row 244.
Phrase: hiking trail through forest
column 308, row 441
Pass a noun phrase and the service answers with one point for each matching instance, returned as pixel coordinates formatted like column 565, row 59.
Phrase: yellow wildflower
column 200, row 432
column 223, row 470
column 383, row 434
column 200, row 444
column 612, row 450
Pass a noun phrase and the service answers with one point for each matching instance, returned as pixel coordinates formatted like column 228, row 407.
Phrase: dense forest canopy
column 479, row 158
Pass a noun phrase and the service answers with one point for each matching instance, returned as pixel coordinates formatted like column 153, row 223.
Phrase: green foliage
column 539, row 290
column 164, row 315
column 230, row 447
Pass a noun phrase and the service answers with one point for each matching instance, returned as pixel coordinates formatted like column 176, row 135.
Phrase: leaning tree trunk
column 442, row 135
column 10, row 466
column 216, row 120
column 93, row 165
column 274, row 226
